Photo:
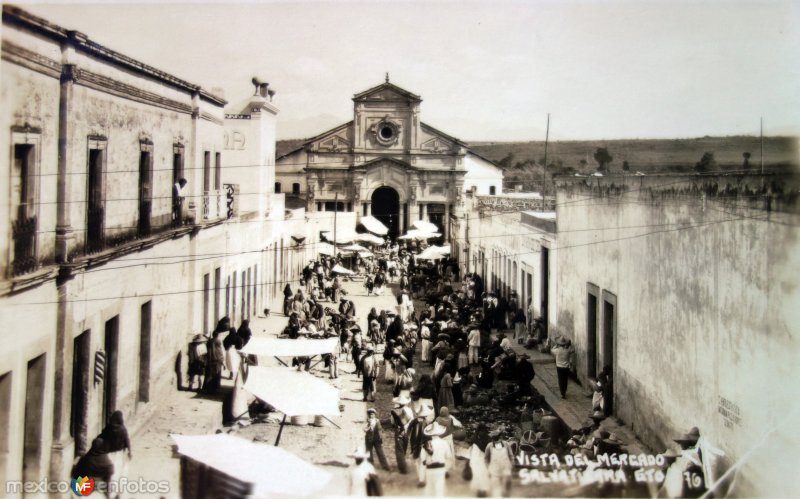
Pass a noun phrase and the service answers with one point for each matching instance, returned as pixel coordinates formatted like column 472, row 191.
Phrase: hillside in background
column 523, row 161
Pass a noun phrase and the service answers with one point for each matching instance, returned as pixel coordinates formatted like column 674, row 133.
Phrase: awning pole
column 331, row 422
column 280, row 430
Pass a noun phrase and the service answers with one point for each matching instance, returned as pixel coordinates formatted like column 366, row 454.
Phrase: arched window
column 491, row 191
column 277, row 187
column 295, row 188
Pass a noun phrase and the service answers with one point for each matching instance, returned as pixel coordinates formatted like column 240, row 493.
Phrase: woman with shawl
column 117, row 441
column 214, row 363
column 446, row 387
column 245, row 333
column 95, row 463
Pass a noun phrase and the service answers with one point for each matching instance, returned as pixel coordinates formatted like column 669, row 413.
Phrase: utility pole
column 544, row 167
column 335, row 211
column 762, row 145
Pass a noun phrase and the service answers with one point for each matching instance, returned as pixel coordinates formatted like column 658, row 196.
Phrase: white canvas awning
column 341, row 270
column 272, row 471
column 354, row 247
column 374, row 225
column 369, row 238
column 343, row 236
column 324, row 248
column 424, row 226
column 279, row 347
column 431, row 253
column 419, row 235
column 294, row 393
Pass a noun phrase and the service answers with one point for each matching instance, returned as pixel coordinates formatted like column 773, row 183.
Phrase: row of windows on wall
column 24, row 182
column 295, row 188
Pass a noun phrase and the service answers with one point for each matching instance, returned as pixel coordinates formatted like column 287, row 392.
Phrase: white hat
column 434, row 430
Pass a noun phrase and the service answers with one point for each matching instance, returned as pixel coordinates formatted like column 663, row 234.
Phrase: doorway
column 591, row 331
column 110, row 379
column 145, row 322
column 34, row 415
column 545, row 288
column 81, row 356
column 609, row 331
column 386, row 208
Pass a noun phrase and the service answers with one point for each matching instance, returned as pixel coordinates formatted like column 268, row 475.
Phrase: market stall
column 211, row 466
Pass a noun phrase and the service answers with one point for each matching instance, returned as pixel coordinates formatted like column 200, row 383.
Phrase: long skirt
column 450, row 463
column 388, row 373
column 463, row 361
column 232, row 360
column 426, row 350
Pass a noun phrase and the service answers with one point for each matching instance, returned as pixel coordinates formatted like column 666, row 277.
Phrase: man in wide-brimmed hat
column 364, row 479
column 402, row 415
column 688, row 440
column 436, row 453
column 500, row 462
column 369, row 368
column 564, row 354
column 373, row 440
column 416, row 438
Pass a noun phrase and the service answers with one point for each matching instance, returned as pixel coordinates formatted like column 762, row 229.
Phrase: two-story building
column 104, row 273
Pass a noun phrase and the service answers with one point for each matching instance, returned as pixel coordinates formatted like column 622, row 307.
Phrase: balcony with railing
column 215, row 205
column 24, row 234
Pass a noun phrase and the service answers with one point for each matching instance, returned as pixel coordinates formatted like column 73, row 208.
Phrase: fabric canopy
column 369, row 238
column 430, row 253
column 418, row 234
column 325, row 248
column 272, row 471
column 294, row 393
column 343, row 236
column 374, row 225
column 354, row 247
column 365, row 254
column 341, row 270
column 424, row 226
column 279, row 347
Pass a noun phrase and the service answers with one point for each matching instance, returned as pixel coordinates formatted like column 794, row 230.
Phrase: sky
column 486, row 71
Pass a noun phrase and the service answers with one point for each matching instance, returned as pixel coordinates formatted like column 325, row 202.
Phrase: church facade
column 388, row 164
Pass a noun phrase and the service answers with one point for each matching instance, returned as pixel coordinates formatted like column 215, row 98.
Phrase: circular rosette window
column 386, row 132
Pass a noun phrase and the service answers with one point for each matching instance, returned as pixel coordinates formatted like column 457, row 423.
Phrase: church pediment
column 386, row 92
column 436, row 144
column 338, row 139
column 336, row 143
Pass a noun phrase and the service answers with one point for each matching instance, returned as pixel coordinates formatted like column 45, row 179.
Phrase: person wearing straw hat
column 364, row 479
column 402, row 415
column 564, row 354
column 436, row 453
column 500, row 463
column 373, row 440
column 416, row 439
column 369, row 368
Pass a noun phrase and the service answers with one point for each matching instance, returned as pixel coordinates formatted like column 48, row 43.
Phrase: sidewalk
column 577, row 407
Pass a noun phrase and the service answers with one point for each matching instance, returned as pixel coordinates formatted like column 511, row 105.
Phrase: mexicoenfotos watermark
column 84, row 486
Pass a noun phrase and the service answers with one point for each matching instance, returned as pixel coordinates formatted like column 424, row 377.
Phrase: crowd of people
column 438, row 351
column 449, row 332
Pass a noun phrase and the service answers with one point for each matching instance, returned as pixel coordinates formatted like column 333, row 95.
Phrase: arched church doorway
column 386, row 208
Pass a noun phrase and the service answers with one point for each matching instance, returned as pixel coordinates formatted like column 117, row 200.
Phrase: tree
column 507, row 161
column 603, row 158
column 705, row 163
column 746, row 156
column 625, row 166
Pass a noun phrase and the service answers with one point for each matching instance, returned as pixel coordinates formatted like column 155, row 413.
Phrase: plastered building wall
column 703, row 280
